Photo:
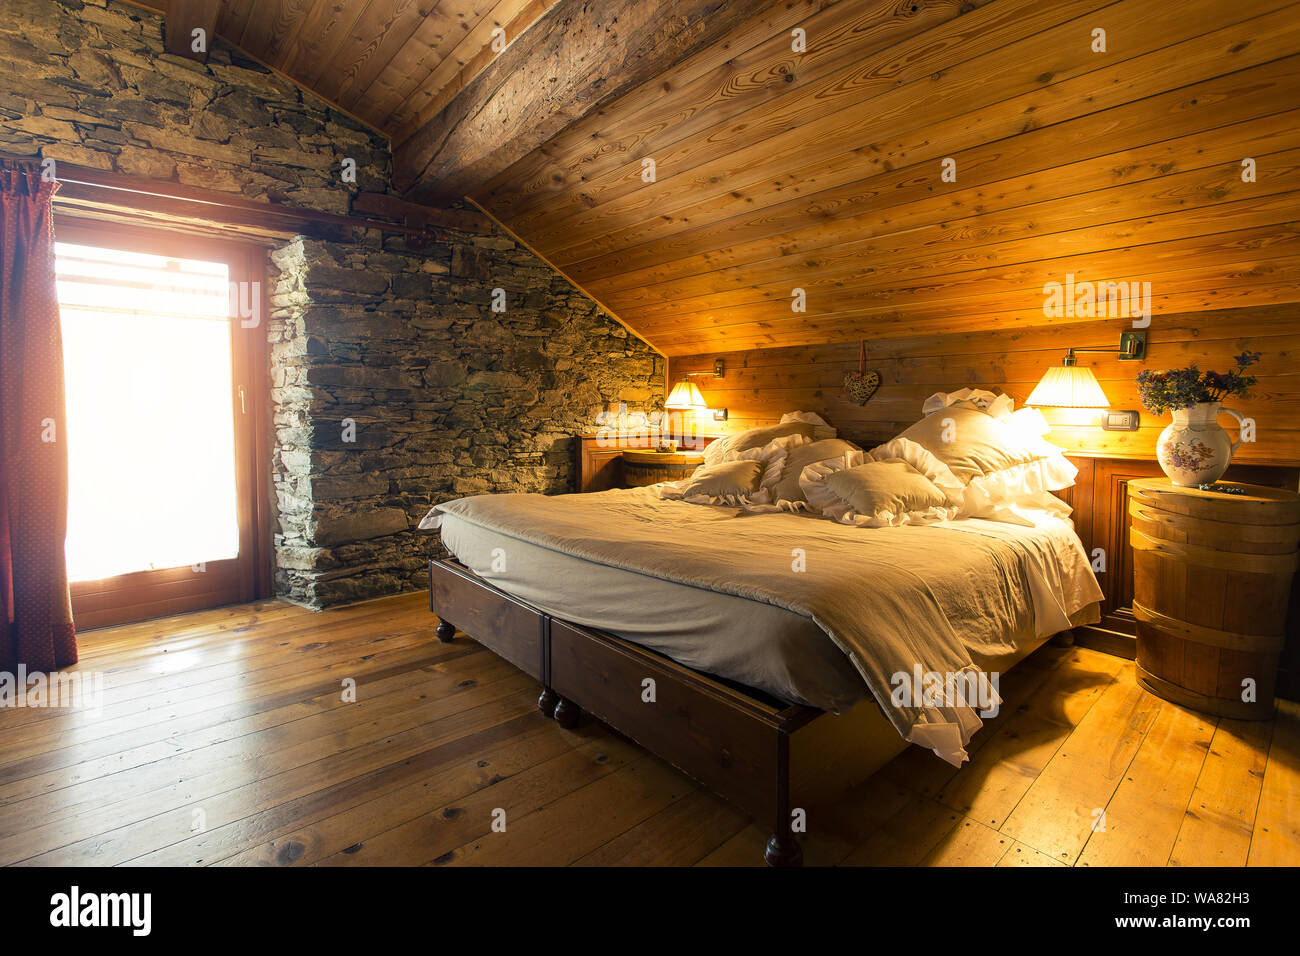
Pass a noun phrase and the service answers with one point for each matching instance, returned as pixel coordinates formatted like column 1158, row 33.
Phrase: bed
column 777, row 657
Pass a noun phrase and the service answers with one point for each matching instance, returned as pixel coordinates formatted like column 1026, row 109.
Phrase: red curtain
column 33, row 449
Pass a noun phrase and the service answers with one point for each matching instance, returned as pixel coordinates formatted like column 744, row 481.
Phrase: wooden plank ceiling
column 821, row 169
column 393, row 64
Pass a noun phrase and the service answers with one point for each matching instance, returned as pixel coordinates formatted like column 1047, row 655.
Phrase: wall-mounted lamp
column 1069, row 385
column 686, row 394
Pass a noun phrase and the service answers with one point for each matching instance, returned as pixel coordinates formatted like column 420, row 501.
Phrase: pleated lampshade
column 1068, row 386
column 685, row 395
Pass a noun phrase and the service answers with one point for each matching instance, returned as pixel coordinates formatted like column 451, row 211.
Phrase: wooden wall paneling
column 514, row 19
column 311, row 46
column 836, row 289
column 975, row 218
column 820, row 168
column 1213, row 256
column 760, row 385
column 269, row 37
column 1259, row 282
column 1236, row 264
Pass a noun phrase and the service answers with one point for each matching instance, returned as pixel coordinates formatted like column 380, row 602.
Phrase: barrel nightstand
column 642, row 468
column 1211, row 580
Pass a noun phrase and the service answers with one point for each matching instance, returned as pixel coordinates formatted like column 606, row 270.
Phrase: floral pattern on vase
column 1194, row 449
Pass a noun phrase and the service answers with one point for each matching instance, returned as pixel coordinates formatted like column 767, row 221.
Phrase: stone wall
column 397, row 386
column 394, row 383
column 88, row 83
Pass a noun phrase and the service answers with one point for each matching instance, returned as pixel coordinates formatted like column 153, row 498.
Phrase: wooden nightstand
column 600, row 464
column 641, row 468
column 1211, row 583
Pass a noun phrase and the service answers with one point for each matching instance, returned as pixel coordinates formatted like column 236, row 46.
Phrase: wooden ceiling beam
column 421, row 217
column 576, row 58
column 182, row 18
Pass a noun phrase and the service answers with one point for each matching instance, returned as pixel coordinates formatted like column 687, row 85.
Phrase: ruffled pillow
column 787, row 494
column 997, row 406
column 821, row 428
column 973, row 444
column 724, row 448
column 1029, row 421
column 1019, row 493
column 728, row 482
column 768, row 461
column 916, row 488
column 1008, row 469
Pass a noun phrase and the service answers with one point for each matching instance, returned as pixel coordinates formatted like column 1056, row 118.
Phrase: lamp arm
column 1132, row 345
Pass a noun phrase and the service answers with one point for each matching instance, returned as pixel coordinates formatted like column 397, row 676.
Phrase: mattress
column 749, row 642
column 772, row 648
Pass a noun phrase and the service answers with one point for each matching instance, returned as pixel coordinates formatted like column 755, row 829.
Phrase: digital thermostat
column 1121, row 421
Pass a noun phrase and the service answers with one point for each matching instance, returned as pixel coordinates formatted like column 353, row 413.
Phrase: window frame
column 146, row 595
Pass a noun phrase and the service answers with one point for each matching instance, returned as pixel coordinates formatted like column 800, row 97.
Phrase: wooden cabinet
column 600, row 467
column 1212, row 579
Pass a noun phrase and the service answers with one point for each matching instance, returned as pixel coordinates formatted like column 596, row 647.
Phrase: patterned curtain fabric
column 33, row 450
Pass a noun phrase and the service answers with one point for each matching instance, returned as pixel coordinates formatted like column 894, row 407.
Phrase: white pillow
column 1005, row 495
column 728, row 445
column 999, row 406
column 1030, row 422
column 822, row 498
column 821, row 429
column 771, row 456
column 997, row 461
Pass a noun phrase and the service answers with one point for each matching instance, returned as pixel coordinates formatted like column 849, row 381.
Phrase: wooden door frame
column 250, row 580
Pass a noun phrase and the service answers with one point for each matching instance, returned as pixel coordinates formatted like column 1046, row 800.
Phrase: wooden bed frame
column 778, row 762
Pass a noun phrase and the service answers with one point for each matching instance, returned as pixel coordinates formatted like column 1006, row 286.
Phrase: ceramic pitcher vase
column 1195, row 450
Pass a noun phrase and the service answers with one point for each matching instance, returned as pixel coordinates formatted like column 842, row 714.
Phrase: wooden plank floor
column 226, row 737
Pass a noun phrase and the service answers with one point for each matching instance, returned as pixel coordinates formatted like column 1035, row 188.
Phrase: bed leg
column 783, row 850
column 546, row 703
column 567, row 713
column 1063, row 639
column 446, row 631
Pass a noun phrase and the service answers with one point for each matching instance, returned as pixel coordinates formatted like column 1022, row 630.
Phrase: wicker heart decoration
column 861, row 385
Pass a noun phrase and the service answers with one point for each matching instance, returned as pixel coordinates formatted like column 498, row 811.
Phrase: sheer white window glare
column 150, row 431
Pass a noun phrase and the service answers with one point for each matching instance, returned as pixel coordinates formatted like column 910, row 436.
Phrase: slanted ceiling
column 822, row 170
column 393, row 64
